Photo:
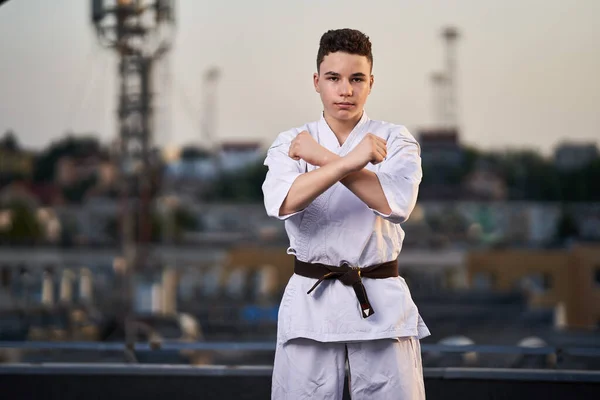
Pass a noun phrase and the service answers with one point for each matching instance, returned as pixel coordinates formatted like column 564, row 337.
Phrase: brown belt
column 350, row 276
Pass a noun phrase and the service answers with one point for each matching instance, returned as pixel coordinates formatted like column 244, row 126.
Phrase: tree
column 10, row 142
column 592, row 174
column 567, row 226
column 242, row 185
column 45, row 164
column 76, row 192
column 529, row 176
column 24, row 227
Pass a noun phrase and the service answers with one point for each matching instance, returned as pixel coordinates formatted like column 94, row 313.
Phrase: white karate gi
column 336, row 228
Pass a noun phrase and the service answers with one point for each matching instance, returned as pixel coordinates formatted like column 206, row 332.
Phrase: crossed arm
column 348, row 170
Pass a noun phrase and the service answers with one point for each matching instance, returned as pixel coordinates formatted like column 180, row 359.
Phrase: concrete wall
column 244, row 383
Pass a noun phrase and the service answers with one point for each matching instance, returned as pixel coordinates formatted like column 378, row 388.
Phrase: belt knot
column 351, row 276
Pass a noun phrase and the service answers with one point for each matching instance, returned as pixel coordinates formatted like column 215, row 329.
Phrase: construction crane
column 141, row 32
column 209, row 114
column 444, row 84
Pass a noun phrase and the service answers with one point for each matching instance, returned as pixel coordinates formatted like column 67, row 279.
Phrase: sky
column 527, row 69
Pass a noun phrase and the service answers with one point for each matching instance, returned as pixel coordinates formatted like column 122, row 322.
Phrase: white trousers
column 379, row 370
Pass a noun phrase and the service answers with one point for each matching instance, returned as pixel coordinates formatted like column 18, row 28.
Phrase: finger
column 377, row 160
column 381, row 147
column 381, row 140
column 381, row 143
column 382, row 152
column 377, row 138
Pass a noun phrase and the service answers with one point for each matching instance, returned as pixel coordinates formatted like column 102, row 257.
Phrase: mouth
column 344, row 105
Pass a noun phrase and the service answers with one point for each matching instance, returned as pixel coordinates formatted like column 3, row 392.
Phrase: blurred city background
column 132, row 136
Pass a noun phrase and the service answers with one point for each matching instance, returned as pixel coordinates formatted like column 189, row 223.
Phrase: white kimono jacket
column 336, row 228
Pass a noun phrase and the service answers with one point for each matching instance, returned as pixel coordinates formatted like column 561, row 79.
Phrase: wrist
column 328, row 157
column 351, row 164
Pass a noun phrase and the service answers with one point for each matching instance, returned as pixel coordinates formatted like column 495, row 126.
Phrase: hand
column 371, row 149
column 306, row 148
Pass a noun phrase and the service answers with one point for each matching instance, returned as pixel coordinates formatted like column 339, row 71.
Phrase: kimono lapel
column 327, row 138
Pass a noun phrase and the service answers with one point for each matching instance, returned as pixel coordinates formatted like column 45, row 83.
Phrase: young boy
column 343, row 185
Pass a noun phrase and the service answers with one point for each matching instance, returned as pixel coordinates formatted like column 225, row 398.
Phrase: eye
column 333, row 78
column 357, row 79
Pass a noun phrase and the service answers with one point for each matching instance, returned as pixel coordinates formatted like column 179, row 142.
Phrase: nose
column 345, row 88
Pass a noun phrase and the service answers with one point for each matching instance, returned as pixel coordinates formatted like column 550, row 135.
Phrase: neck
column 342, row 128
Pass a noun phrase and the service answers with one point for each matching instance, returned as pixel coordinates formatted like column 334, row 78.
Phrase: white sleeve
column 400, row 175
column 282, row 173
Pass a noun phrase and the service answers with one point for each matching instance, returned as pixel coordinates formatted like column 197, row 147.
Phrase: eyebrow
column 356, row 74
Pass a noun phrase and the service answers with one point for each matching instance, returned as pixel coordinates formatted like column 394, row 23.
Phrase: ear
column 316, row 82
column 371, row 82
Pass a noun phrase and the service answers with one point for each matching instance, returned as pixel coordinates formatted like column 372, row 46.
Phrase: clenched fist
column 306, row 148
column 371, row 149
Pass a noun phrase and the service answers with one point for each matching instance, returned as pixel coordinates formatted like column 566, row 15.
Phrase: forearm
column 310, row 185
column 365, row 185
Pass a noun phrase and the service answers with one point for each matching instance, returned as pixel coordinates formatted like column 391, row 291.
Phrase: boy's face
column 344, row 82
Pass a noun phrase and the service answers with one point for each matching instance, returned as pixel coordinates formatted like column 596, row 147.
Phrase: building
column 193, row 174
column 566, row 280
column 236, row 155
column 573, row 156
column 440, row 147
column 442, row 159
column 70, row 170
column 486, row 222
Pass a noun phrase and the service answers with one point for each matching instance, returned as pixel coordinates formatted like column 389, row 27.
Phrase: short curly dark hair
column 346, row 40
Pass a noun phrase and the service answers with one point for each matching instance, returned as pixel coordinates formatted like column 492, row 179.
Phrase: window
column 537, row 283
column 483, row 281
